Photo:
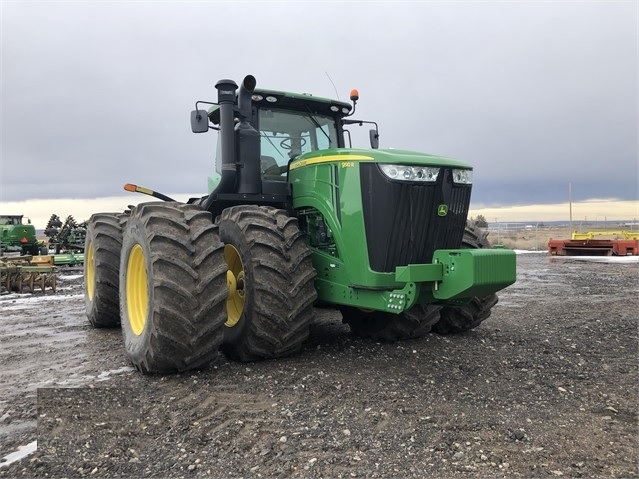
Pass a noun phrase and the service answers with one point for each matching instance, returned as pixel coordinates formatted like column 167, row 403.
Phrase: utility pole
column 570, row 203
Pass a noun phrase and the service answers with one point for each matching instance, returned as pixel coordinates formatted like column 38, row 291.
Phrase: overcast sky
column 534, row 94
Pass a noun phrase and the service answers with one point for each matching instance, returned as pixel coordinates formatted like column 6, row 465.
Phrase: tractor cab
column 11, row 220
column 289, row 125
column 287, row 134
column 261, row 133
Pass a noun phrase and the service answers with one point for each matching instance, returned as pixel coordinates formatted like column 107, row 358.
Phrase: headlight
column 464, row 177
column 411, row 173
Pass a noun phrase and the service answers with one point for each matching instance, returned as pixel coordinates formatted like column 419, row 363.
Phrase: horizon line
column 596, row 209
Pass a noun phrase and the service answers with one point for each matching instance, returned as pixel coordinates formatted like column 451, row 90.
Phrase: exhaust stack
column 248, row 142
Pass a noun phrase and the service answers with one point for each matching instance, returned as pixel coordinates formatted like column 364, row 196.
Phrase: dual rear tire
column 172, row 288
column 102, row 247
column 270, row 282
column 184, row 287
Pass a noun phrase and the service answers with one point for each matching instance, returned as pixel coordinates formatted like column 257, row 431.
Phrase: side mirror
column 199, row 121
column 374, row 137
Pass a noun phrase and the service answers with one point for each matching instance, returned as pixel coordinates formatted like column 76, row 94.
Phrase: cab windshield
column 286, row 134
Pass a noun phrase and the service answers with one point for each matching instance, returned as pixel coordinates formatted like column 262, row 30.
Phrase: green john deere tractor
column 17, row 236
column 295, row 219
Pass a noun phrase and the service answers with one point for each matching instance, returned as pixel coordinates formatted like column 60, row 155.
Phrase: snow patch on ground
column 79, row 380
column 70, row 277
column 22, row 452
column 605, row 259
column 23, row 301
column 593, row 259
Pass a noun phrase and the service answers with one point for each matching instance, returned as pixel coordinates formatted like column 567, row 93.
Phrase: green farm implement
column 67, row 237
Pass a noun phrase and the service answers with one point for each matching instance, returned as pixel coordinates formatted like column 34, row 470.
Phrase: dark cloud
column 533, row 94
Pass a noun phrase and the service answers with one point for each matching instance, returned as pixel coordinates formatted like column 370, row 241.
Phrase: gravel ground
column 546, row 387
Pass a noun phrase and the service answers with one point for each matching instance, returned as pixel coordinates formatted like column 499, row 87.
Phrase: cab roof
column 291, row 101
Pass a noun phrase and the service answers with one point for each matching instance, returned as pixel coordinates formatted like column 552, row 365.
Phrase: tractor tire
column 102, row 246
column 464, row 318
column 30, row 250
column 389, row 327
column 172, row 288
column 270, row 281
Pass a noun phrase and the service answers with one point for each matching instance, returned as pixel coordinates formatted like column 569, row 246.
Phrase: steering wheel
column 287, row 143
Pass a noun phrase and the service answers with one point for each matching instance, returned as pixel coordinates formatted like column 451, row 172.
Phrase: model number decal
column 348, row 164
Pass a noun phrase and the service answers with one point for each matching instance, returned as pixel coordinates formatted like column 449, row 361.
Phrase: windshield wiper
column 316, row 124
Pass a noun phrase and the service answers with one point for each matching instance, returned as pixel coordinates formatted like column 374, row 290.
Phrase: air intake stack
column 226, row 99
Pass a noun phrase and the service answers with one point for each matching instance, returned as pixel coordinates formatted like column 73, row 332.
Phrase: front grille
column 401, row 220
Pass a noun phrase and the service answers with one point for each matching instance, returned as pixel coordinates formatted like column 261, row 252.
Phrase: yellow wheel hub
column 137, row 292
column 235, row 283
column 89, row 262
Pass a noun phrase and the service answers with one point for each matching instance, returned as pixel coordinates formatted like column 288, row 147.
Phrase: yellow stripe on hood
column 325, row 159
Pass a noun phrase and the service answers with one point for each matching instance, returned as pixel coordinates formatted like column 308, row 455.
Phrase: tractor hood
column 390, row 156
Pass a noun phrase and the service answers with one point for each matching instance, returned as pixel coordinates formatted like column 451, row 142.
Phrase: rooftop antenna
column 334, row 87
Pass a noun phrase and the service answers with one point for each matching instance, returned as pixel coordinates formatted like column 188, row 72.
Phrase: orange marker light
column 130, row 187
column 354, row 94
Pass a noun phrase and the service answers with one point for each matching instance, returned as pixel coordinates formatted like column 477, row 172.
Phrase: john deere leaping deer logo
column 442, row 210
